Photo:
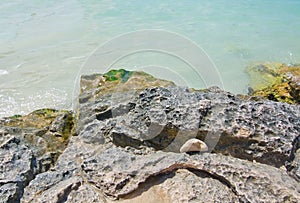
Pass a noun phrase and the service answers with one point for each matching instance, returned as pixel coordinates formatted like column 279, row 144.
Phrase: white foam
column 3, row 72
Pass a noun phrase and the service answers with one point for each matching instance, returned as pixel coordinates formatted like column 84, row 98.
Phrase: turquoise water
column 44, row 44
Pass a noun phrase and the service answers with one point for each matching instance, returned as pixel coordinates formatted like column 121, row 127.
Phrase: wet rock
column 38, row 130
column 194, row 145
column 275, row 81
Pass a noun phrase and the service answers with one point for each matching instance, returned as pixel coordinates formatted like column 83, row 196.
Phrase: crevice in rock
column 116, row 111
column 164, row 138
column 63, row 197
column 104, row 115
column 148, row 183
column 159, row 142
column 23, row 184
column 243, row 148
column 204, row 174
column 160, row 177
column 122, row 140
column 292, row 165
column 296, row 146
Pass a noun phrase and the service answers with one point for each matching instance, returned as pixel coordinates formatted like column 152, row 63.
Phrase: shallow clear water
column 44, row 44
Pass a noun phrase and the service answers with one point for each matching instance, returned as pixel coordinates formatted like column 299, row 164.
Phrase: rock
column 128, row 144
column 194, row 145
column 275, row 81
column 86, row 193
column 17, row 169
column 59, row 192
column 9, row 192
column 27, row 148
column 129, row 134
column 180, row 177
column 294, row 165
column 195, row 184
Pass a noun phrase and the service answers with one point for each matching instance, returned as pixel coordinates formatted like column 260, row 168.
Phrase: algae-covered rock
column 92, row 86
column 111, row 83
column 276, row 81
column 45, row 126
column 29, row 145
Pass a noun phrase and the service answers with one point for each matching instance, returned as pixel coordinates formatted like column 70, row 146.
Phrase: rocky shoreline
column 123, row 145
column 276, row 82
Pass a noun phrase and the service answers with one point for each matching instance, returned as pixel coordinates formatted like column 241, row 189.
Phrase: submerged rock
column 275, row 81
column 130, row 128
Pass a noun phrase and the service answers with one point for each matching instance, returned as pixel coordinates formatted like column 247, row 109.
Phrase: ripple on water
column 20, row 103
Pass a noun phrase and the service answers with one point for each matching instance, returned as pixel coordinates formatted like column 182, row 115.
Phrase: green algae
column 39, row 127
column 118, row 75
column 118, row 81
column 276, row 82
column 37, row 119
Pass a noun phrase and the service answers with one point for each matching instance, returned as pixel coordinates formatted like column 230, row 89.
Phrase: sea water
column 44, row 45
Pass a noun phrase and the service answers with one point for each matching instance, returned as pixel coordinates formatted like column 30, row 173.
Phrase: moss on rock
column 119, row 81
column 276, row 81
column 44, row 130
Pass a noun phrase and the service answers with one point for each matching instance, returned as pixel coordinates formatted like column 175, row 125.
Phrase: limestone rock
column 17, row 169
column 128, row 144
column 27, row 148
column 122, row 176
column 127, row 148
column 194, row 145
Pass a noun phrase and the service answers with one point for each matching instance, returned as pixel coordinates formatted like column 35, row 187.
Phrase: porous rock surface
column 130, row 127
column 30, row 145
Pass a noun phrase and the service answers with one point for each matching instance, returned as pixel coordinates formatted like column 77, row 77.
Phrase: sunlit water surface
column 44, row 44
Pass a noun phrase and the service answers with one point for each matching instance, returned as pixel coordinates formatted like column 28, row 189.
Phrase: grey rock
column 9, row 192
column 60, row 123
column 27, row 148
column 86, row 193
column 58, row 192
column 117, row 174
column 128, row 144
column 92, row 133
column 17, row 169
column 165, row 118
column 294, row 166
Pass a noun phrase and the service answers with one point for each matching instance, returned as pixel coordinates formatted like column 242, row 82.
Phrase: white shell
column 194, row 145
